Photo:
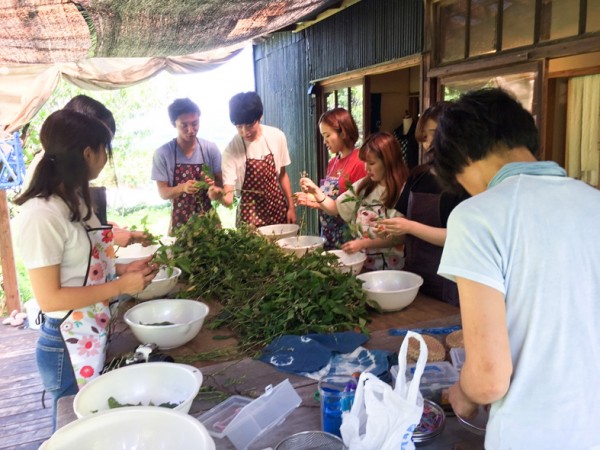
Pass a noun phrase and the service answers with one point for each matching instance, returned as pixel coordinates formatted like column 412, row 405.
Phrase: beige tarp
column 24, row 88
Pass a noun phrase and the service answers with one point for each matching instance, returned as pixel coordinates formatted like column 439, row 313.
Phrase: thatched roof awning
column 50, row 31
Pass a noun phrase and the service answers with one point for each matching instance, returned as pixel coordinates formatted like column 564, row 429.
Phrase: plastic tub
column 437, row 377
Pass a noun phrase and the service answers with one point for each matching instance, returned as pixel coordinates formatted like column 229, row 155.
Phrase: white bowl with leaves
column 160, row 384
column 279, row 231
column 134, row 252
column 163, row 283
column 168, row 323
column 301, row 245
column 349, row 262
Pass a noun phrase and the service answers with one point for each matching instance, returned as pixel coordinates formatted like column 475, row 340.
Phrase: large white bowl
column 392, row 290
column 301, row 245
column 349, row 262
column 187, row 317
column 136, row 427
column 145, row 383
column 134, row 252
column 161, row 285
column 280, row 231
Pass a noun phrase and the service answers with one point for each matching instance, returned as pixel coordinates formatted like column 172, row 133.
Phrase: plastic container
column 254, row 418
column 457, row 355
column 336, row 393
column 216, row 419
column 437, row 377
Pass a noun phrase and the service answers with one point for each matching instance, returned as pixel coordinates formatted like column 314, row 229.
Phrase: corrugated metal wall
column 368, row 33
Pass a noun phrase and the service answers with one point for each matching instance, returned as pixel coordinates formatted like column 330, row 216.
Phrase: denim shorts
column 54, row 364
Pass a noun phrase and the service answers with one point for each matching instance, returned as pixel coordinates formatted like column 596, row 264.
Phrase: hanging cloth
column 262, row 201
column 85, row 330
column 186, row 205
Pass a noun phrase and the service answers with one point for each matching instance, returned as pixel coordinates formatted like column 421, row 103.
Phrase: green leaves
column 265, row 292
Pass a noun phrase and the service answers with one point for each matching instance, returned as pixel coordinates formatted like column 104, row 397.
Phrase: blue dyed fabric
column 435, row 331
column 316, row 355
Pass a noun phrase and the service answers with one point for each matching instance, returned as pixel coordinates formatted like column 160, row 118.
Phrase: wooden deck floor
column 24, row 423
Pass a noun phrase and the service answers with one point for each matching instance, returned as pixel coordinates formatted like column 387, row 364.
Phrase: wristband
column 324, row 198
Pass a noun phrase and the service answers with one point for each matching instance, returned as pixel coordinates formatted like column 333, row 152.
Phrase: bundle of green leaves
column 265, row 292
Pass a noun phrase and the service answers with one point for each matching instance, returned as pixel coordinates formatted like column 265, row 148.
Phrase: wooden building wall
column 368, row 33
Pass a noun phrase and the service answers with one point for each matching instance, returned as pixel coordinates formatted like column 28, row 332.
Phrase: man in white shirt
column 254, row 167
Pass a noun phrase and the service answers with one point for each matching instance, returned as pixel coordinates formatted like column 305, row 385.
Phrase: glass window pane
column 518, row 23
column 452, row 20
column 342, row 98
column 356, row 109
column 520, row 84
column 560, row 18
column 592, row 16
column 329, row 100
column 482, row 38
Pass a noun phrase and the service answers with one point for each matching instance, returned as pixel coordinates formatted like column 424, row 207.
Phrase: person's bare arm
column 400, row 226
column 51, row 296
column 286, row 187
column 485, row 376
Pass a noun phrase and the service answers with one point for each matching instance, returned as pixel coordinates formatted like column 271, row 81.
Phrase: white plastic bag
column 382, row 418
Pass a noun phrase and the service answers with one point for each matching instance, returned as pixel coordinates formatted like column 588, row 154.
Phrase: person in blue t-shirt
column 525, row 253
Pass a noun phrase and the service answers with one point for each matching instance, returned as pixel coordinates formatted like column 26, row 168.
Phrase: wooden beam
column 324, row 15
column 9, row 271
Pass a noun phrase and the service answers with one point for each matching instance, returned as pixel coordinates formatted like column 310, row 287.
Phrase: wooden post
column 9, row 271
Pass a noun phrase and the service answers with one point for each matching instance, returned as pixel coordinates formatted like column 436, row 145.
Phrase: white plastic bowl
column 161, row 285
column 392, row 290
column 145, row 383
column 134, row 252
column 301, row 245
column 187, row 317
column 280, row 231
column 349, row 262
column 136, row 427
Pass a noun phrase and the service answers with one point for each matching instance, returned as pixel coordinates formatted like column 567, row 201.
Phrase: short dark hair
column 63, row 171
column 245, row 108
column 342, row 122
column 182, row 106
column 477, row 124
column 93, row 108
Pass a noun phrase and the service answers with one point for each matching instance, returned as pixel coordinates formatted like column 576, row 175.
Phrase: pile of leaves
column 265, row 292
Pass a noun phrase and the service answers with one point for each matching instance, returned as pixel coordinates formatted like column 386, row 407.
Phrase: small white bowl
column 134, row 252
column 279, row 231
column 161, row 285
column 392, row 290
column 349, row 262
column 145, row 383
column 135, row 427
column 301, row 245
column 187, row 317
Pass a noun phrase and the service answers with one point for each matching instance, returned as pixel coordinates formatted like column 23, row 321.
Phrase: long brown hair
column 343, row 123
column 63, row 171
column 384, row 146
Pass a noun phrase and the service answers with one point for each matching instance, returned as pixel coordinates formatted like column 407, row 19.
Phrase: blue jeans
column 54, row 364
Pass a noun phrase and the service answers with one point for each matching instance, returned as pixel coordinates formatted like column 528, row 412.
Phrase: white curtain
column 583, row 129
column 25, row 88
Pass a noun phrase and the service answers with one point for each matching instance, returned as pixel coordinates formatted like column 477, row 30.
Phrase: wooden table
column 249, row 377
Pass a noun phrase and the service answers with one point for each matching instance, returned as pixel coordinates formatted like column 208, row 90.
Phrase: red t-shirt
column 350, row 168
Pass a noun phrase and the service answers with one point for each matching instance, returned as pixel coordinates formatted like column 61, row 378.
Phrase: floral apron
column 186, row 205
column 422, row 257
column 262, row 202
column 391, row 258
column 85, row 330
column 333, row 228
